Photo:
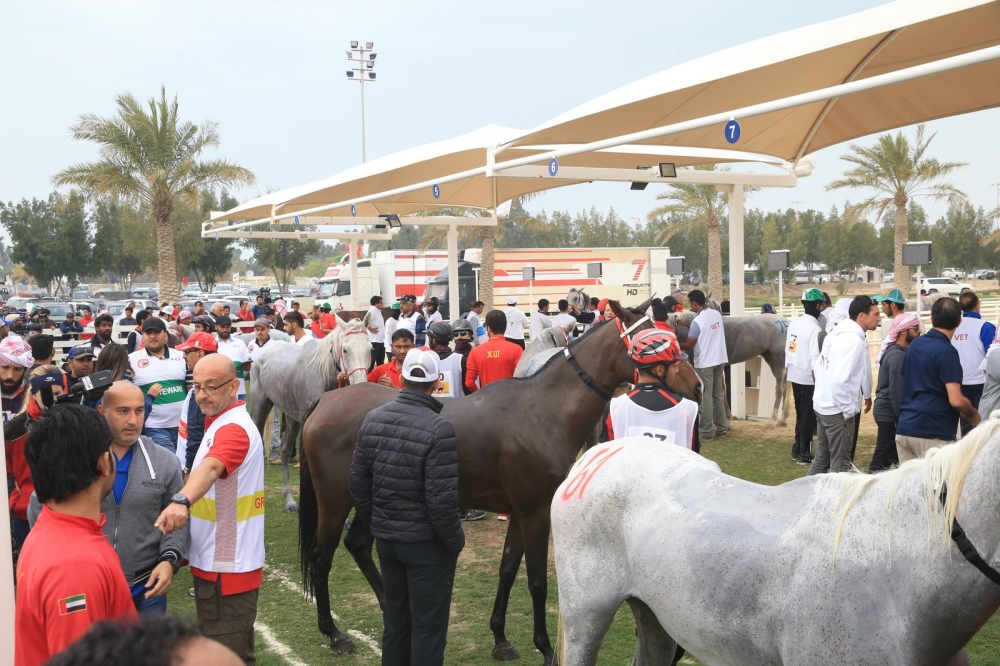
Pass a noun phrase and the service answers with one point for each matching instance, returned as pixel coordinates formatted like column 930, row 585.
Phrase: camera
column 24, row 329
column 266, row 293
column 92, row 387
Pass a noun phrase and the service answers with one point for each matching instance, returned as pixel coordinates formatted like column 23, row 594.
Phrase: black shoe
column 473, row 515
column 804, row 460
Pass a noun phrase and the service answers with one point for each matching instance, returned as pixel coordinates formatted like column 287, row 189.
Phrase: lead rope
column 965, row 546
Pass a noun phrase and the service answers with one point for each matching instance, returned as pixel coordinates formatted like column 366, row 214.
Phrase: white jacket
column 802, row 349
column 841, row 372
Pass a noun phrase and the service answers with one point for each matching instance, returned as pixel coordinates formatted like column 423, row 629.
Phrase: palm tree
column 896, row 172
column 692, row 205
column 151, row 157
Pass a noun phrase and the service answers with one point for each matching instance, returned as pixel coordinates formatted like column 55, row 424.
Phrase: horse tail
column 560, row 639
column 308, row 511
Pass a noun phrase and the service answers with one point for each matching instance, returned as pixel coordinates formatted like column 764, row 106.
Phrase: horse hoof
column 504, row 651
column 292, row 508
column 341, row 646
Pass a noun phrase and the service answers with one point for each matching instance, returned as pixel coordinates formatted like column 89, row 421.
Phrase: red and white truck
column 628, row 274
column 390, row 273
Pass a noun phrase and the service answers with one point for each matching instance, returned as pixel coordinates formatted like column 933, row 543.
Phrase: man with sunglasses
column 224, row 499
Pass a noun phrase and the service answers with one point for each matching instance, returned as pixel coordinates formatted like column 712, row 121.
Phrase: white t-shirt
column 433, row 317
column 375, row 321
column 564, row 319
column 306, row 339
column 802, row 349
column 539, row 322
column 390, row 328
column 236, row 350
column 710, row 349
column 516, row 321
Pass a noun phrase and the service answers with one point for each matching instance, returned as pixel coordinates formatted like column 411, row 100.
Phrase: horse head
column 354, row 351
column 578, row 299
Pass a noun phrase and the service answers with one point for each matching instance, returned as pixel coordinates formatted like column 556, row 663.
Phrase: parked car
column 78, row 305
column 192, row 292
column 145, row 292
column 802, row 277
column 300, row 292
column 953, row 273
column 945, row 285
column 223, row 288
column 20, row 304
column 985, row 274
column 821, row 278
column 888, row 277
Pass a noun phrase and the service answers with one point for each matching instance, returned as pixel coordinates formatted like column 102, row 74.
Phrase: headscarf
column 900, row 323
column 280, row 307
column 15, row 353
column 839, row 312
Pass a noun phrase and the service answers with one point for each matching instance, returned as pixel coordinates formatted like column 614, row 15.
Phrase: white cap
column 511, row 300
column 168, row 310
column 425, row 360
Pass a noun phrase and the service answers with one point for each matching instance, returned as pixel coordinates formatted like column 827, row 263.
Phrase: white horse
column 829, row 569
column 539, row 351
column 292, row 377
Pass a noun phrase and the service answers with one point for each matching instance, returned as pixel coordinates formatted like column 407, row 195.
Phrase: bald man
column 224, row 500
column 152, row 474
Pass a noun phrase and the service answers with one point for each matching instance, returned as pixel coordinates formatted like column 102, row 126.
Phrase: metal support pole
column 919, row 287
column 6, row 587
column 454, row 304
column 781, row 292
column 363, row 157
column 737, row 303
column 353, row 268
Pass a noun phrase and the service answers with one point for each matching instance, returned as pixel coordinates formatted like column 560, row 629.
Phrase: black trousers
column 378, row 351
column 805, row 420
column 520, row 342
column 418, row 579
column 974, row 392
column 885, row 455
column 857, row 426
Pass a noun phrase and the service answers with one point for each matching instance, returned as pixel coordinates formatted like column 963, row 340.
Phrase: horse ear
column 645, row 304
column 621, row 312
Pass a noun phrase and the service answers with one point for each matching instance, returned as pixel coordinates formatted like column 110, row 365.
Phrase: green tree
column 960, row 237
column 283, row 256
column 112, row 255
column 895, row 171
column 155, row 158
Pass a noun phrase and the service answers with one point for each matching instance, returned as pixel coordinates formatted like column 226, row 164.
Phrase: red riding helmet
column 655, row 346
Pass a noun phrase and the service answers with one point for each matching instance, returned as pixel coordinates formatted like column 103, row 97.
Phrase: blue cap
column 894, row 295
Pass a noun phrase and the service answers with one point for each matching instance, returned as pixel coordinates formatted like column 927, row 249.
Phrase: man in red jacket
column 495, row 359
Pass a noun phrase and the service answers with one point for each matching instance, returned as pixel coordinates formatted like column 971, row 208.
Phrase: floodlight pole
column 364, row 67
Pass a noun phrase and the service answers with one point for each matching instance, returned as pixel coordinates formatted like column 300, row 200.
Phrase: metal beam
column 737, row 303
column 296, row 235
column 208, row 229
column 692, row 176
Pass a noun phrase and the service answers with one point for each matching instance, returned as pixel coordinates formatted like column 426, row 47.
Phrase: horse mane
column 940, row 467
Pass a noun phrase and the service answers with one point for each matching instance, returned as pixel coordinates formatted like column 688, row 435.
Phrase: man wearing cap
column 71, row 325
column 79, row 364
column 972, row 339
column 411, row 319
column 431, row 313
column 801, row 352
column 295, row 327
column 86, row 319
column 192, row 425
column 235, row 349
column 15, row 359
column 404, row 483
column 516, row 323
column 892, row 303
column 156, row 363
column 889, row 391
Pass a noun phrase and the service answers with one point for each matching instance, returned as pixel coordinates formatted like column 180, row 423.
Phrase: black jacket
column 404, row 477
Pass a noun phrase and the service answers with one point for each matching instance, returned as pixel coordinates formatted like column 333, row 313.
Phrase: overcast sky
column 272, row 74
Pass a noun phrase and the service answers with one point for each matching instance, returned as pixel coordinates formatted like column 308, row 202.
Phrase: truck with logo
column 629, row 275
column 389, row 273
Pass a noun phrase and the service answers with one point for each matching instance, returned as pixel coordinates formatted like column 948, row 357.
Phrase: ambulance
column 390, row 273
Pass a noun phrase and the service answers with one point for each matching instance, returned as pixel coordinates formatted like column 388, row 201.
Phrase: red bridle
column 340, row 354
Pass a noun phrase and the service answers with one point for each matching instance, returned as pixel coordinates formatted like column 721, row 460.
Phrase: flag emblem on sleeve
column 73, row 604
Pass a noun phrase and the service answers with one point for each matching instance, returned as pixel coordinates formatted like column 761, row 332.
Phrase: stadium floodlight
column 354, row 44
column 668, row 170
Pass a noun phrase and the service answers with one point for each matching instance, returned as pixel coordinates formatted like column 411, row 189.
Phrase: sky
column 272, row 75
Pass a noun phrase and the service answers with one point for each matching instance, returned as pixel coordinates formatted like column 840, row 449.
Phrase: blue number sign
column 296, row 221
column 436, row 191
column 732, row 131
column 553, row 166
column 354, row 211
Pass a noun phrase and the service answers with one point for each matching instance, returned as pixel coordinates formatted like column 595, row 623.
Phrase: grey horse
column 747, row 338
column 539, row 351
column 578, row 299
column 291, row 377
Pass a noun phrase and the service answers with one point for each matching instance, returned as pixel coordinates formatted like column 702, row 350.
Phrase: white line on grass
column 276, row 646
column 289, row 584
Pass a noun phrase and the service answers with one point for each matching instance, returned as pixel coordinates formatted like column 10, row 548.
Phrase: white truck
column 628, row 274
column 390, row 273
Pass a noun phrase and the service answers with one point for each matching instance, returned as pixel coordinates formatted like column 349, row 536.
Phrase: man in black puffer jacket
column 404, row 483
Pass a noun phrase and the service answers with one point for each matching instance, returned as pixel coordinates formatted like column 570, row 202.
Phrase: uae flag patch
column 73, row 604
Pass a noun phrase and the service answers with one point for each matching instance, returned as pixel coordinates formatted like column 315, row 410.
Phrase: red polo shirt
column 327, row 321
column 491, row 361
column 387, row 370
column 62, row 591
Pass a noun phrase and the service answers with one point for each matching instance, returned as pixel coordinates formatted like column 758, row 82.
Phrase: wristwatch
column 173, row 558
column 181, row 498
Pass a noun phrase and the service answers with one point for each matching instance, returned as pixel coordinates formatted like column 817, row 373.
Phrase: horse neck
column 324, row 358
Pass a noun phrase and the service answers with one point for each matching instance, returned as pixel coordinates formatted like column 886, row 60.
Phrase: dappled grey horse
column 539, row 351
column 747, row 338
column 291, row 377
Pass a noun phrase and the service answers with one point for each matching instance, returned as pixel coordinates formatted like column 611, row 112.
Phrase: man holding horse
column 650, row 409
column 404, row 483
column 707, row 339
column 390, row 374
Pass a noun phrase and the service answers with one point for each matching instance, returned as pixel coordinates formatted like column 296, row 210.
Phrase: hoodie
column 843, row 371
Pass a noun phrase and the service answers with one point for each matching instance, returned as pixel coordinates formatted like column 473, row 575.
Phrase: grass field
column 286, row 623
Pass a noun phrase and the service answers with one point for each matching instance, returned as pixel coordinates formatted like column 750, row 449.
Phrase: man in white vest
column 972, row 339
column 156, row 363
column 236, row 350
column 708, row 340
column 451, row 374
column 801, row 352
column 224, row 497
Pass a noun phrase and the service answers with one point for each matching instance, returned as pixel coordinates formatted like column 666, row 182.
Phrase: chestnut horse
column 516, row 439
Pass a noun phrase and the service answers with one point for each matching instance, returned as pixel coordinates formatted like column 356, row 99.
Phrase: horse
column 747, row 338
column 842, row 568
column 514, row 467
column 292, row 377
column 539, row 351
column 578, row 299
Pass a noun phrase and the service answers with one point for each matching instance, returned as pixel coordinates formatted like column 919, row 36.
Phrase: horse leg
column 510, row 562
column 780, row 380
column 586, row 610
column 291, row 433
column 653, row 644
column 328, row 532
column 535, row 533
column 359, row 542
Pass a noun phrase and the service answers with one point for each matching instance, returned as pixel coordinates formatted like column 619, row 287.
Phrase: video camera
column 92, row 387
column 266, row 293
column 25, row 328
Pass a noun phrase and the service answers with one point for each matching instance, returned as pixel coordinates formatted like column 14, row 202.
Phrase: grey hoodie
column 154, row 476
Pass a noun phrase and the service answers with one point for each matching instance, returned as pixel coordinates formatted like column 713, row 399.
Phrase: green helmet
column 814, row 295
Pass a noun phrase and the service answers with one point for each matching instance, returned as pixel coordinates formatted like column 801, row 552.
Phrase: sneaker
column 190, row 591
column 473, row 515
column 503, row 516
column 722, row 433
column 801, row 460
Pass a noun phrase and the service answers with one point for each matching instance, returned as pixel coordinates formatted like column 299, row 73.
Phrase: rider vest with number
column 652, row 411
column 971, row 351
column 227, row 524
column 450, row 370
column 169, row 372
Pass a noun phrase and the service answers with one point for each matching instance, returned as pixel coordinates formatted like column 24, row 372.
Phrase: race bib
column 444, row 388
column 656, row 434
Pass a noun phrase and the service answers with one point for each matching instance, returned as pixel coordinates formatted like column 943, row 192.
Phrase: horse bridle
column 624, row 334
column 340, row 354
column 965, row 546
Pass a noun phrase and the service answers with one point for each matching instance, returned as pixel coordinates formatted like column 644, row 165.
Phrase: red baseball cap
column 200, row 340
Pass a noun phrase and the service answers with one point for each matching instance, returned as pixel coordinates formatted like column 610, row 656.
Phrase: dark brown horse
column 517, row 439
